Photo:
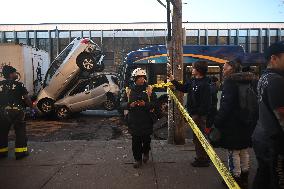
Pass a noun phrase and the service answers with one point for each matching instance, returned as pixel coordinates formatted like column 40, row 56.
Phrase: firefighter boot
column 21, row 155
column 3, row 152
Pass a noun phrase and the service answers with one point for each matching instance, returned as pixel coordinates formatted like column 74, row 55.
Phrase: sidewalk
column 106, row 165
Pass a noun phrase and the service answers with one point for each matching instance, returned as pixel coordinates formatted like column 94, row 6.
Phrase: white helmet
column 138, row 72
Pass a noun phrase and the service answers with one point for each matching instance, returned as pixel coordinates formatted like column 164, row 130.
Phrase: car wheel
column 86, row 62
column 62, row 112
column 109, row 105
column 46, row 106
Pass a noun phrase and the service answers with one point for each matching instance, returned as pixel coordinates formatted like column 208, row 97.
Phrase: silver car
column 81, row 57
column 98, row 92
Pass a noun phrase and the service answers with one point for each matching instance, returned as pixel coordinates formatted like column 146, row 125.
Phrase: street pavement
column 107, row 165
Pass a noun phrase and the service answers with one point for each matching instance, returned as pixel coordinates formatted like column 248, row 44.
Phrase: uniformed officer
column 13, row 100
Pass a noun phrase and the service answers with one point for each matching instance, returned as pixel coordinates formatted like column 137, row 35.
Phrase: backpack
column 248, row 104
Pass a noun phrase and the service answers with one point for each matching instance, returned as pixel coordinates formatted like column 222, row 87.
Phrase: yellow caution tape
column 231, row 183
column 162, row 85
column 25, row 149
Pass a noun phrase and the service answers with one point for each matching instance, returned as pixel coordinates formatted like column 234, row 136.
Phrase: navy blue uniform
column 12, row 114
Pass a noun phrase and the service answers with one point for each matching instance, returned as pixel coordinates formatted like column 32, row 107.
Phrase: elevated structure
column 120, row 38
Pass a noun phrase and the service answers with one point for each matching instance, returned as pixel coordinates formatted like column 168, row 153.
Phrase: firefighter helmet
column 7, row 70
column 138, row 72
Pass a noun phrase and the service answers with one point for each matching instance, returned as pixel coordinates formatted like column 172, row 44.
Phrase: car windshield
column 98, row 80
column 81, row 87
column 56, row 64
column 90, row 84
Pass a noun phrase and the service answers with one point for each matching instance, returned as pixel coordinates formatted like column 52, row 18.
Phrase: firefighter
column 140, row 116
column 13, row 100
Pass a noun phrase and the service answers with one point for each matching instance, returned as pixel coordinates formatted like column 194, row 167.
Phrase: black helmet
column 7, row 70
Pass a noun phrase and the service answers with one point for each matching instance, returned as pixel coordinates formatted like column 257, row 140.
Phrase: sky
column 123, row 11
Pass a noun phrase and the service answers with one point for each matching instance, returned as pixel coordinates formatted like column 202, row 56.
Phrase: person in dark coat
column 141, row 102
column 235, row 135
column 268, row 136
column 198, row 105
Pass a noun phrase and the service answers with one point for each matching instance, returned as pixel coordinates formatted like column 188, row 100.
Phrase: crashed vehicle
column 98, row 92
column 80, row 58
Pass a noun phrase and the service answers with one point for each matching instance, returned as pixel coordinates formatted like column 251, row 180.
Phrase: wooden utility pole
column 177, row 66
column 171, row 126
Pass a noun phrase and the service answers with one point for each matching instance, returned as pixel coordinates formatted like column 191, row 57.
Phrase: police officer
column 140, row 121
column 13, row 100
column 268, row 136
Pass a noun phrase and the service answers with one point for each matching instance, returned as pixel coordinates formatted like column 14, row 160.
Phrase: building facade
column 117, row 39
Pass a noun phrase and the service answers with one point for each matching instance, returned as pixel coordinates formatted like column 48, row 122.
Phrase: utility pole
column 171, row 126
column 177, row 68
column 175, row 40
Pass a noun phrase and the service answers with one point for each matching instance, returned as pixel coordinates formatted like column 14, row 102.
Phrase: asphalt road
column 88, row 125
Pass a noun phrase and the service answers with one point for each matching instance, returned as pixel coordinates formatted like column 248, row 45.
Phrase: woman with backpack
column 235, row 130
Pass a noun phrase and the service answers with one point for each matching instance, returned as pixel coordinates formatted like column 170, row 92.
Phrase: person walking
column 13, row 100
column 268, row 137
column 198, row 105
column 141, row 102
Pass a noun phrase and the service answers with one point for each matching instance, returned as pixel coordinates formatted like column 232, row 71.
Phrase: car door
column 79, row 97
column 99, row 88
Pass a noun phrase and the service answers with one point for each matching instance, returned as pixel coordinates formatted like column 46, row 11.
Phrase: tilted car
column 98, row 92
column 81, row 57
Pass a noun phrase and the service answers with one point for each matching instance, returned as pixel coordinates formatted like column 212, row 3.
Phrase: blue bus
column 154, row 59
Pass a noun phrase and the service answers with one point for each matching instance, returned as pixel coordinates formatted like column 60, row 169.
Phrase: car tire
column 109, row 104
column 46, row 105
column 86, row 62
column 62, row 112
